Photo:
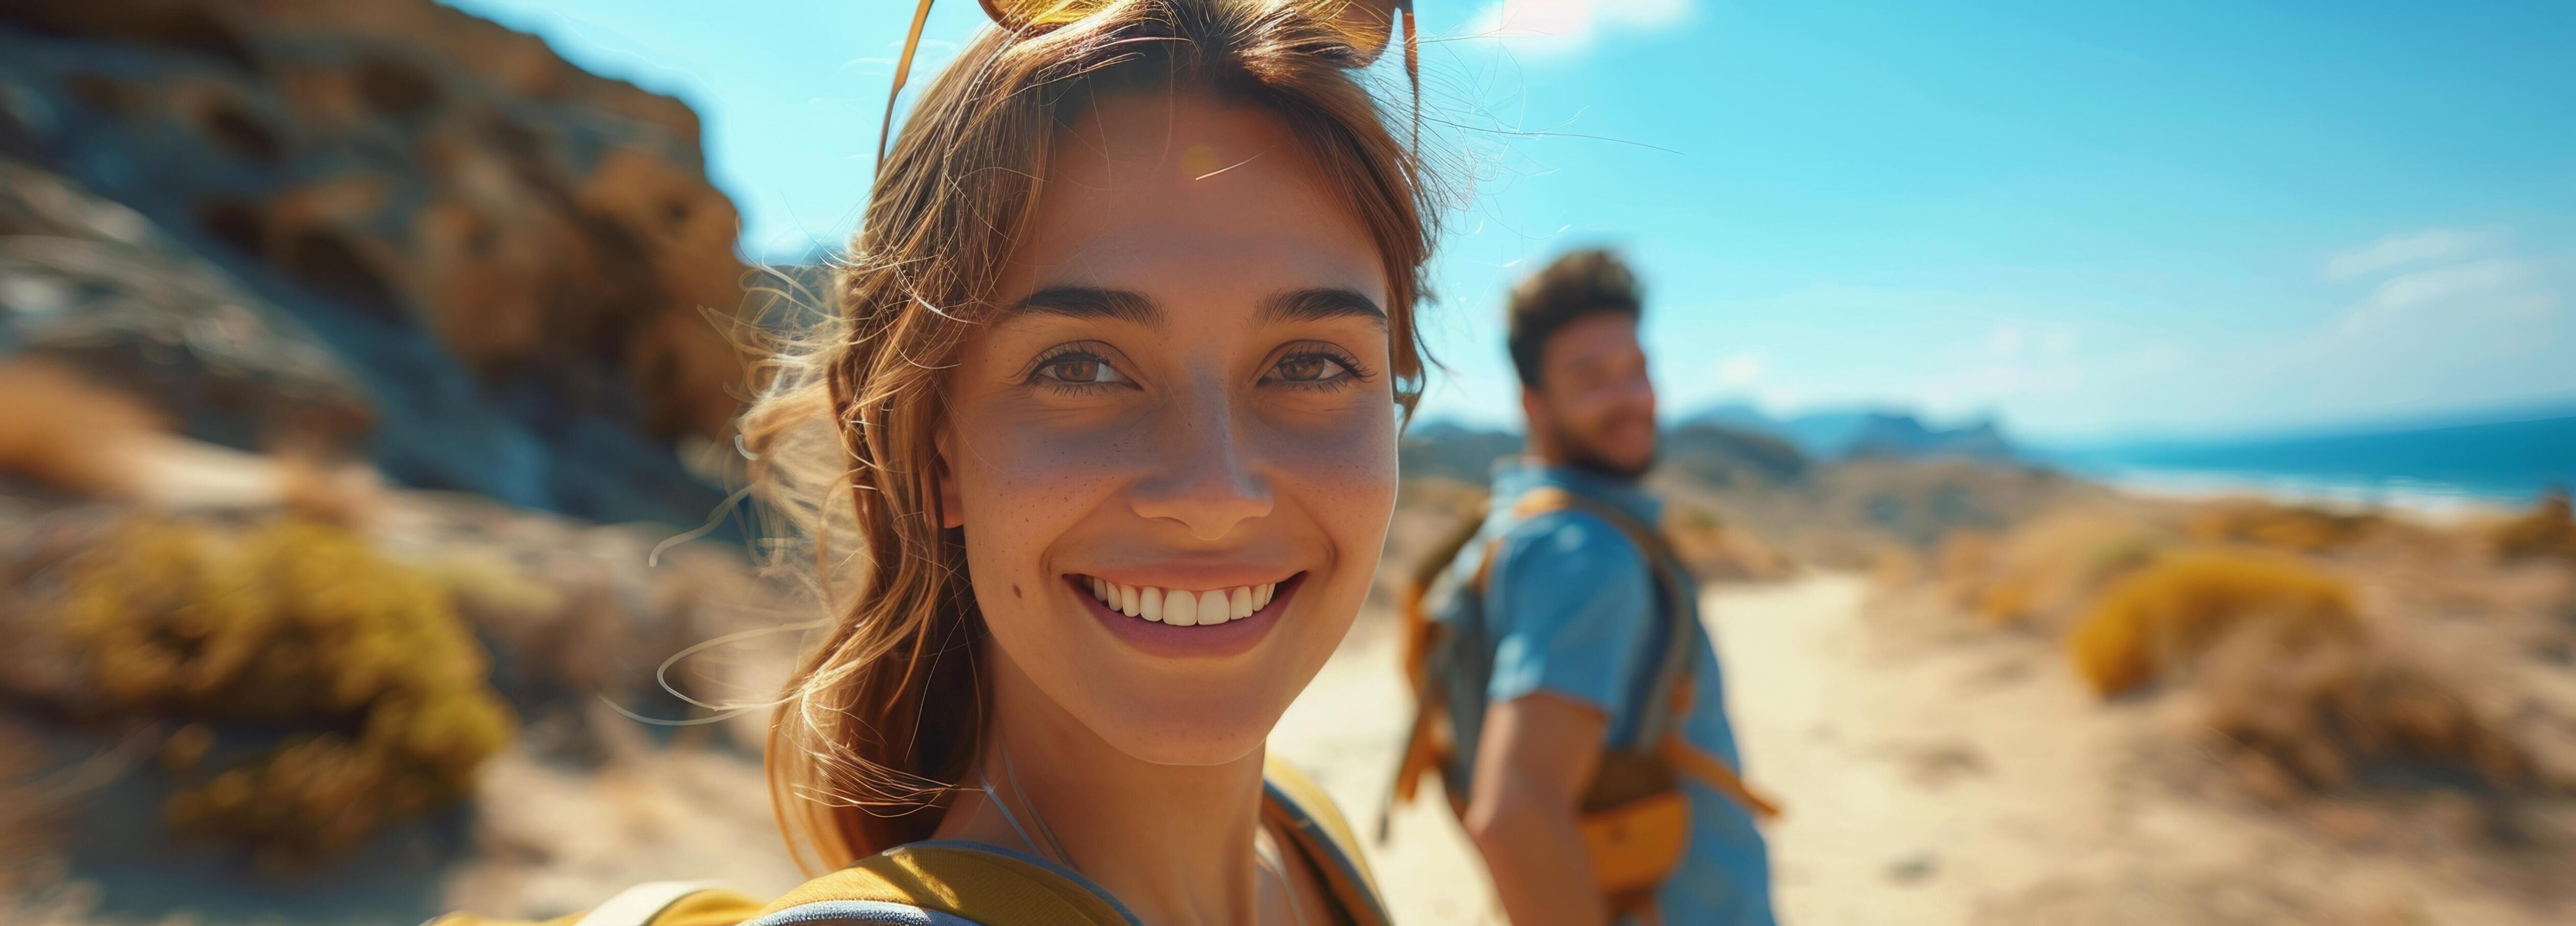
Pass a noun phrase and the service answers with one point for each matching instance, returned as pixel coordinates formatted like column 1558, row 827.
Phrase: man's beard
column 1579, row 455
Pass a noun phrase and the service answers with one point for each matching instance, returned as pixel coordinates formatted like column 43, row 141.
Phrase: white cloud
column 2424, row 286
column 1561, row 28
column 2013, row 339
column 1739, row 369
column 2397, row 251
column 2006, row 339
column 2449, row 291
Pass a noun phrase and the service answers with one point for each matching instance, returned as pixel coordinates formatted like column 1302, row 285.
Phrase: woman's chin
column 1163, row 731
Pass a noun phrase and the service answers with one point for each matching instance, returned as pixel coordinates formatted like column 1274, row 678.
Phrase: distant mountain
column 2505, row 459
column 1842, row 513
column 1716, row 454
column 1455, row 451
column 1726, row 455
column 1836, row 435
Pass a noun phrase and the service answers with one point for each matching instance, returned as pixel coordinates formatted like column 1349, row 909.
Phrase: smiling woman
column 1098, row 453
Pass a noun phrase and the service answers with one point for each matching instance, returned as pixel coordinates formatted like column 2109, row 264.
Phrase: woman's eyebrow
column 1318, row 304
column 1093, row 302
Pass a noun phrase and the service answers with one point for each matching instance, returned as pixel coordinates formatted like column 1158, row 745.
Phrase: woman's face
column 1185, row 408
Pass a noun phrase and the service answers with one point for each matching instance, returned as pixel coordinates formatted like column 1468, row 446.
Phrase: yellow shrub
column 2043, row 570
column 2547, row 530
column 1717, row 551
column 2318, row 713
column 2164, row 615
column 297, row 625
column 2289, row 527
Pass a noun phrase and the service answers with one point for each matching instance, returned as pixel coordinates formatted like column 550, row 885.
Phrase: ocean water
column 2437, row 470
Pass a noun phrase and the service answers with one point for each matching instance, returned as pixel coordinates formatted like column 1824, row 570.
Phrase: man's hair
column 1578, row 284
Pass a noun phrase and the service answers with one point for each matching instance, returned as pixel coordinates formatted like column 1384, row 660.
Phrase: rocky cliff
column 268, row 270
column 379, row 228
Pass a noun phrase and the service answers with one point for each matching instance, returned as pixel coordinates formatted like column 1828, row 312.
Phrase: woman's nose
column 1203, row 476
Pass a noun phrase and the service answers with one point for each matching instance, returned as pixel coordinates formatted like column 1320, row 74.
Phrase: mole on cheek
column 1015, row 590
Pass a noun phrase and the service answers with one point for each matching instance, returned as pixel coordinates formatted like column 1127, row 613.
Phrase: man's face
column 1593, row 397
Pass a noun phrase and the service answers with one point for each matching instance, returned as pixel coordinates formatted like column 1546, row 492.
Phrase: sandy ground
column 1932, row 773
column 1966, row 777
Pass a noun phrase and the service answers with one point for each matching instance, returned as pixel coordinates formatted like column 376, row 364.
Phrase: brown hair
column 1578, row 284
column 883, row 715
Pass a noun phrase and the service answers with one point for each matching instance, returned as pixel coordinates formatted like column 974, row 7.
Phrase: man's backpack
column 1636, row 819
column 947, row 883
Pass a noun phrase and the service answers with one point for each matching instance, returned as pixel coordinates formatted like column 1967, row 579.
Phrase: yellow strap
column 1713, row 771
column 1300, row 809
column 986, row 887
column 712, row 907
column 1425, row 745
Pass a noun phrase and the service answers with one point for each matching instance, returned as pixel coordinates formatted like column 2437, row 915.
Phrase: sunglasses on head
column 1366, row 24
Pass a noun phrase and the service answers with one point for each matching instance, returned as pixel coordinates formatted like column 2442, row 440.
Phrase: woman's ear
column 952, row 510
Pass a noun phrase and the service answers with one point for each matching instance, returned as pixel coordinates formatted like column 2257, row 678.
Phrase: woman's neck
column 1174, row 843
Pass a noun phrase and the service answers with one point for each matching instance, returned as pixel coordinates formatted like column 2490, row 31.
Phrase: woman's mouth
column 1213, row 623
column 1180, row 607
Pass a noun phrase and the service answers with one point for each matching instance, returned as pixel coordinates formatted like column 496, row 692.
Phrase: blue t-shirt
column 1571, row 605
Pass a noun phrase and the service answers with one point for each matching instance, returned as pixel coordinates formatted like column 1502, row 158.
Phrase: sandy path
column 1344, row 731
column 1915, row 786
column 1941, row 776
column 1936, row 773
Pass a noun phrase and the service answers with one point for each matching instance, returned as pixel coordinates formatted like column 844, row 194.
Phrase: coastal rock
column 484, row 268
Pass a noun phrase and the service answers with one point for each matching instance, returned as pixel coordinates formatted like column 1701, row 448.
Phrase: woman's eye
column 1310, row 368
column 1080, row 370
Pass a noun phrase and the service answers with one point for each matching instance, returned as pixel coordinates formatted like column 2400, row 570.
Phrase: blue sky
column 2091, row 220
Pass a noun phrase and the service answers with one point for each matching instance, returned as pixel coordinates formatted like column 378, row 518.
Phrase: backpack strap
column 660, row 903
column 949, row 883
column 669, row 903
column 1424, row 746
column 1315, row 828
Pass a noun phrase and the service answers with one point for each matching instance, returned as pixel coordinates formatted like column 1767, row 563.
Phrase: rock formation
column 380, row 227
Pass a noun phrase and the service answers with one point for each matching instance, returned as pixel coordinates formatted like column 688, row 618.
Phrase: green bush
column 296, row 625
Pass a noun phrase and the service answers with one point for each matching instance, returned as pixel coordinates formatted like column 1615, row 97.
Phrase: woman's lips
column 1227, row 635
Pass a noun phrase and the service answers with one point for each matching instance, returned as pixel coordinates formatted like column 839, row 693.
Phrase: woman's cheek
column 1346, row 463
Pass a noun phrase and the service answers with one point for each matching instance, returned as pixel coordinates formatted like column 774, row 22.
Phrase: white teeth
column 1182, row 608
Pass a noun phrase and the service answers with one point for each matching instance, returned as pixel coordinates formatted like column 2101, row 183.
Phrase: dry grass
column 1715, row 550
column 2161, row 618
column 2296, row 528
column 2303, row 694
column 2045, row 571
column 301, row 626
column 2313, row 712
column 2547, row 530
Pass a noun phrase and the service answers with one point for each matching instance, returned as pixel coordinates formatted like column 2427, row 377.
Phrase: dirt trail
column 1956, row 776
